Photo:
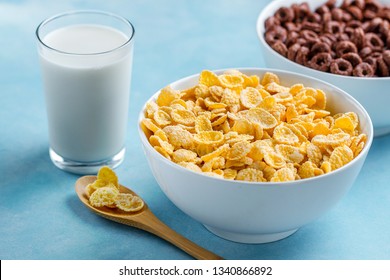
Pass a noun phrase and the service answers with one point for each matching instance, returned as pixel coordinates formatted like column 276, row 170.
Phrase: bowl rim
column 264, row 14
column 351, row 99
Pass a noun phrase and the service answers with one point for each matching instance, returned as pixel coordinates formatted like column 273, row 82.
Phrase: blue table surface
column 40, row 214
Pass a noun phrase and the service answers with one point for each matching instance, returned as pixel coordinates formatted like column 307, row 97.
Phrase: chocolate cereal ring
column 382, row 68
column 271, row 22
column 357, row 37
column 321, row 61
column 372, row 61
column 319, row 47
column 313, row 26
column 341, row 66
column 337, row 14
column 373, row 41
column 355, row 12
column 277, row 33
column 302, row 54
column 285, row 14
column 333, row 27
column 386, row 57
column 360, row 4
column 280, row 47
column 363, row 70
column 345, row 47
column 353, row 58
column 292, row 51
column 364, row 52
column 309, row 35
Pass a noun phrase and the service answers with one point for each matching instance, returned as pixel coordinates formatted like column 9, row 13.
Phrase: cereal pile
column 352, row 39
column 105, row 191
column 241, row 127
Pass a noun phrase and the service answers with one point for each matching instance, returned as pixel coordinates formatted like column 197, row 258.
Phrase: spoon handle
column 155, row 226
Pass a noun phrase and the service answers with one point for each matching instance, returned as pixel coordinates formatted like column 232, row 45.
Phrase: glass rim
column 96, row 12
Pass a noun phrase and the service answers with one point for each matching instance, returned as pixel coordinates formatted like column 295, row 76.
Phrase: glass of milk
column 86, row 61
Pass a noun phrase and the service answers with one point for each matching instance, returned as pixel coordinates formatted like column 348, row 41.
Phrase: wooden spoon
column 145, row 220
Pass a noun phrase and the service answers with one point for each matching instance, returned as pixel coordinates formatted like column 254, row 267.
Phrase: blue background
column 40, row 214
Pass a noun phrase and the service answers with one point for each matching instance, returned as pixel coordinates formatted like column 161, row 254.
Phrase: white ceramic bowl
column 251, row 212
column 372, row 93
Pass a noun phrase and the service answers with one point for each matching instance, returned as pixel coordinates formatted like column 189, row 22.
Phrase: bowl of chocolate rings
column 254, row 154
column 345, row 43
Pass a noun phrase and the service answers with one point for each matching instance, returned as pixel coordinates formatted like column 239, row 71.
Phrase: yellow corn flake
column 219, row 120
column 231, row 99
column 161, row 134
column 251, row 81
column 183, row 116
column 208, row 78
column 294, row 89
column 354, row 118
column 191, row 166
column 340, row 157
column 284, row 135
column 166, row 96
column 309, row 169
column 319, row 129
column 331, row 139
column 178, row 137
column 204, row 149
column 326, row 166
column 268, row 103
column 357, row 143
column 209, row 137
column 239, row 150
column 106, row 174
column 250, row 97
column 104, row 196
column 221, row 150
column 250, row 174
column 216, row 92
column 184, row 155
column 314, row 153
column 128, row 202
column 270, row 78
column 214, row 163
column 229, row 174
column 202, row 123
column 283, row 97
column 345, row 123
column 162, row 118
column 290, row 153
column 320, row 97
column 291, row 113
column 241, row 127
column 231, row 81
column 157, row 141
column 274, row 87
column 265, row 119
column 284, row 174
column 201, row 92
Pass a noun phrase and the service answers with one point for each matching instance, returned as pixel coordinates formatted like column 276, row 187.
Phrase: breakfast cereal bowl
column 258, row 212
column 371, row 92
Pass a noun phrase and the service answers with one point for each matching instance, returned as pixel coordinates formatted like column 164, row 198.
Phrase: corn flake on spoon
column 143, row 219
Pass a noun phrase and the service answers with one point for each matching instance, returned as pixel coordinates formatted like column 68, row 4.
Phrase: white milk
column 87, row 96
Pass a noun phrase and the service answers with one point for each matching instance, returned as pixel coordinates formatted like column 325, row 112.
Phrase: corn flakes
column 128, row 202
column 107, row 193
column 251, row 128
column 104, row 196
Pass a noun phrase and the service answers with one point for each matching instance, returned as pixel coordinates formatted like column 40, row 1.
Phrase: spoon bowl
column 143, row 219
